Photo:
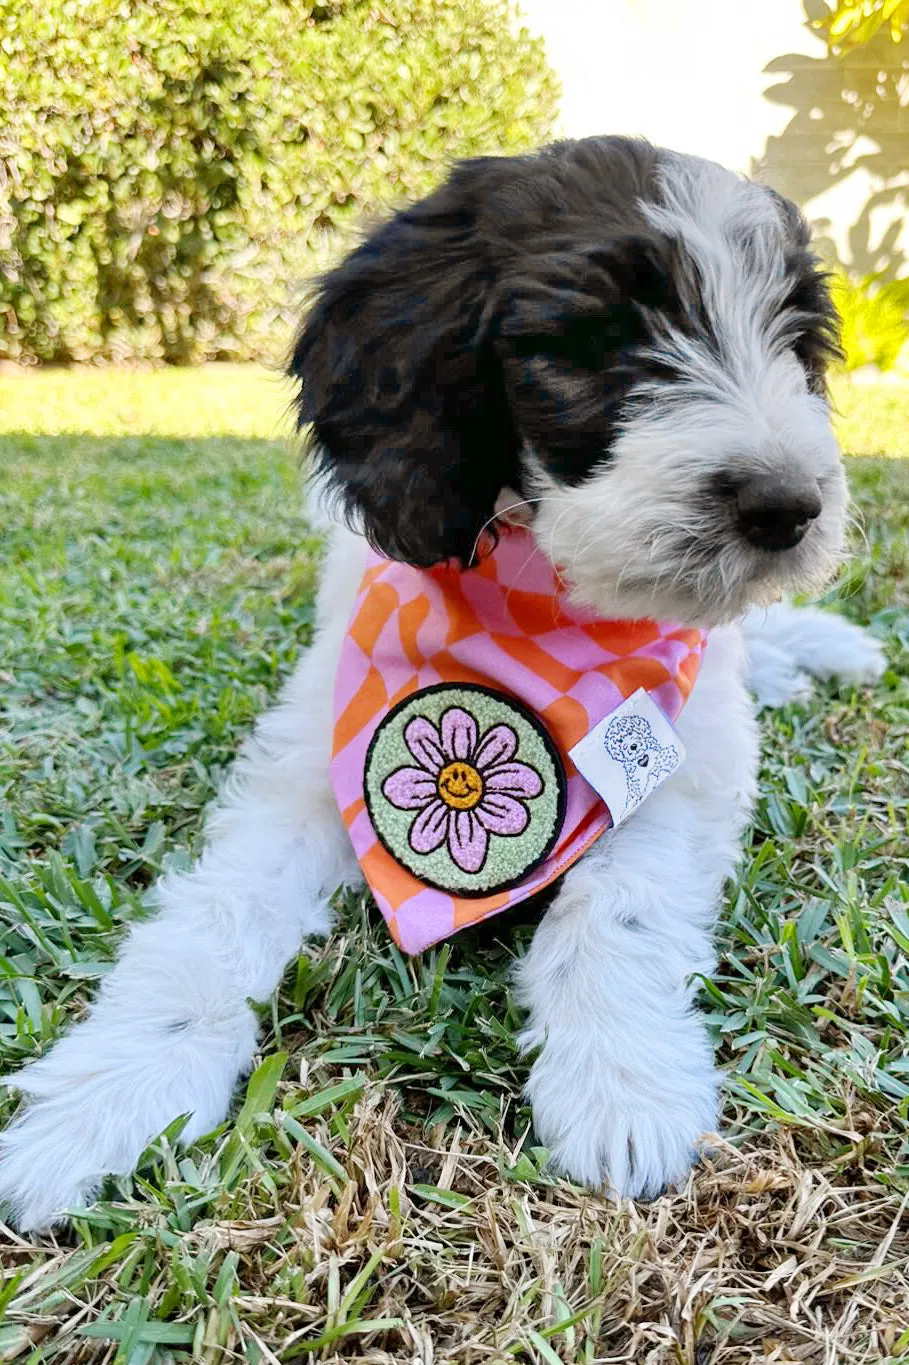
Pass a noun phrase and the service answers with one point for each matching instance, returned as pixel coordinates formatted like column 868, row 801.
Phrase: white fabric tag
column 629, row 754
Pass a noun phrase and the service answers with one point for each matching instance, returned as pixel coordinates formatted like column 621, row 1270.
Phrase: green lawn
column 376, row 1195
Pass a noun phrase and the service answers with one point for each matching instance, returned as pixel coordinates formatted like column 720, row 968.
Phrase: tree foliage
column 170, row 168
column 874, row 316
column 852, row 23
column 873, row 307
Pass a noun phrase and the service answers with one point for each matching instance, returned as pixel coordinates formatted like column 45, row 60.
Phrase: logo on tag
column 629, row 754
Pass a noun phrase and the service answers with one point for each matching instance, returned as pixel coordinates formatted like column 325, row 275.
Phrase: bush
column 169, row 169
column 875, row 320
column 853, row 23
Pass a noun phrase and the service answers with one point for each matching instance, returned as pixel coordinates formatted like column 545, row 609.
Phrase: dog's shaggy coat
column 624, row 348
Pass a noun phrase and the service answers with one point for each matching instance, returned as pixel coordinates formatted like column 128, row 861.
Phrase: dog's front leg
column 172, row 1029
column 624, row 1083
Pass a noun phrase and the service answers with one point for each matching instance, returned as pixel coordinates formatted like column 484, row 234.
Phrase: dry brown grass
column 764, row 1256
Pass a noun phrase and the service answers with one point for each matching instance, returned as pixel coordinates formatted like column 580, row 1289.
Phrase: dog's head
column 631, row 341
column 628, row 740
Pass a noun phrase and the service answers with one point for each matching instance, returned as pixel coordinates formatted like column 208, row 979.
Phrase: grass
column 377, row 1194
column 211, row 400
column 247, row 400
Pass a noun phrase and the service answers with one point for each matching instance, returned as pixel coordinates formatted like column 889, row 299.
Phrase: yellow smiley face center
column 460, row 786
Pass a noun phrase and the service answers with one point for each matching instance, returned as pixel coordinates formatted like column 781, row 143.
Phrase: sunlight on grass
column 872, row 418
column 248, row 400
column 211, row 400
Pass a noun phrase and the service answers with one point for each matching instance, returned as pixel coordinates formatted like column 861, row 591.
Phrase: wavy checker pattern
column 506, row 624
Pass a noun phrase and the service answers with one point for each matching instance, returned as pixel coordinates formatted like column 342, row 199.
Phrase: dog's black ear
column 811, row 320
column 574, row 299
column 571, row 337
column 410, row 422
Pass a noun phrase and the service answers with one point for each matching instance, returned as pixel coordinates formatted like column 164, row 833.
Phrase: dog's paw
column 788, row 646
column 100, row 1096
column 608, row 1127
column 849, row 653
column 776, row 679
column 48, row 1163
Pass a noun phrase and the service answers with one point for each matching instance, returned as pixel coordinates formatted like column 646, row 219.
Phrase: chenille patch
column 465, row 788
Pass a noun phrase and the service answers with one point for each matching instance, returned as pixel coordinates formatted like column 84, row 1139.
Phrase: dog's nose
column 774, row 513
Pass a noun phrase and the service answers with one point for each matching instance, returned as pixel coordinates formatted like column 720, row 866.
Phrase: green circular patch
column 465, row 788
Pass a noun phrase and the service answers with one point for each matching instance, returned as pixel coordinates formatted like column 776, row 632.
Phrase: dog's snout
column 774, row 513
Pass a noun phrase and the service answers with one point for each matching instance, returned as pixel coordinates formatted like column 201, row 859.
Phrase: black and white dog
column 630, row 345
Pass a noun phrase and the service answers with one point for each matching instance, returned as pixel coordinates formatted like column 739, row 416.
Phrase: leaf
column 325, row 1099
column 543, row 1346
column 449, row 1198
column 133, row 1333
column 260, row 1098
column 362, row 1326
column 320, row 1154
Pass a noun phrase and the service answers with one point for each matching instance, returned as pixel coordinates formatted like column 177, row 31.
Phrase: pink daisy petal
column 514, row 779
column 497, row 746
column 459, row 733
column 502, row 814
column 409, row 788
column 467, row 841
column 422, row 739
column 429, row 829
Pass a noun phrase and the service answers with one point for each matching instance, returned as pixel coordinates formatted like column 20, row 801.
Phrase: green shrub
column 875, row 320
column 853, row 23
column 171, row 169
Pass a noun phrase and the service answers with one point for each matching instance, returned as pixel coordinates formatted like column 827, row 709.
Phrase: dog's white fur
column 623, row 1083
column 641, row 539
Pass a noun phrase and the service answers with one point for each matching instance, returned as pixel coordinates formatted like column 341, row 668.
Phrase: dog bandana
column 459, row 696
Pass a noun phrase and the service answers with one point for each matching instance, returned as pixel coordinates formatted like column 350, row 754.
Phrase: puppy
column 630, row 344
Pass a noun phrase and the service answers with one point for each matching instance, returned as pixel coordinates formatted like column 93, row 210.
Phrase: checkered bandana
column 458, row 697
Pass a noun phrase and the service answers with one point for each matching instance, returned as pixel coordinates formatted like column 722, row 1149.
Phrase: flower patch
column 465, row 788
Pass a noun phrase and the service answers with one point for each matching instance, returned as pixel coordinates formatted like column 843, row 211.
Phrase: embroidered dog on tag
column 629, row 754
column 646, row 762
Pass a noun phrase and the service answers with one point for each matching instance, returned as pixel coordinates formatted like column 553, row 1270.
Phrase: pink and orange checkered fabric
column 506, row 625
